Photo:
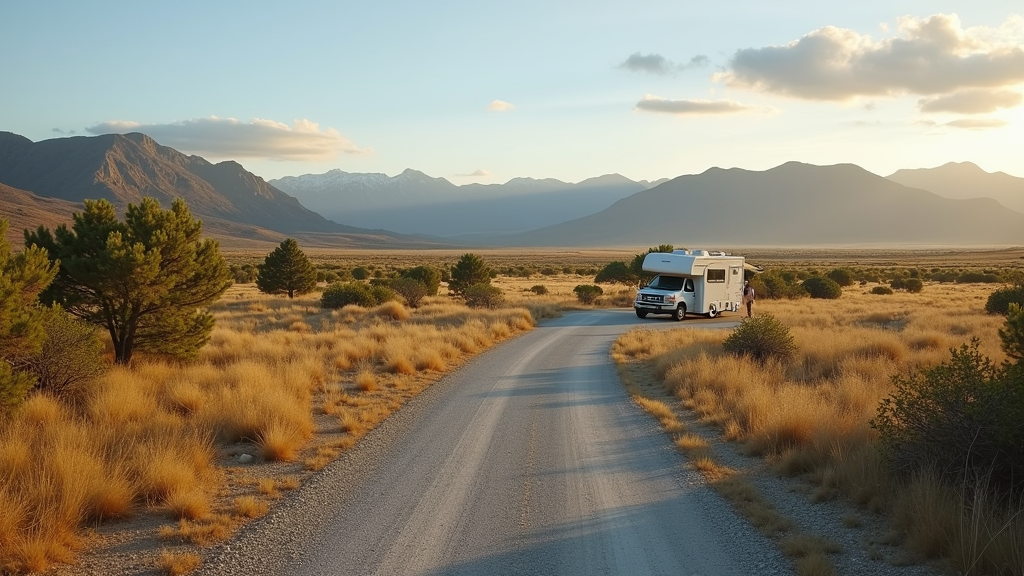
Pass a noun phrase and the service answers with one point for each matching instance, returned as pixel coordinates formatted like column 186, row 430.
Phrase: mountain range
column 419, row 204
column 234, row 204
column 792, row 204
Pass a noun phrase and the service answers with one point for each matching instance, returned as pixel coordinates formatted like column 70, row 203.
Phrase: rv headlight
column 670, row 298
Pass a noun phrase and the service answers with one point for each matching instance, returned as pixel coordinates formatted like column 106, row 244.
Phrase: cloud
column 481, row 173
column 965, row 123
column 972, row 101
column 977, row 123
column 658, row 64
column 931, row 56
column 651, row 103
column 230, row 138
column 500, row 106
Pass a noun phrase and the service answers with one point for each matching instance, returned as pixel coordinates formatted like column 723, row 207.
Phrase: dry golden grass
column 250, row 507
column 178, row 563
column 147, row 436
column 811, row 416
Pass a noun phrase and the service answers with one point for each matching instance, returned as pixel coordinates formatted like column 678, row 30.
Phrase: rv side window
column 688, row 285
column 716, row 275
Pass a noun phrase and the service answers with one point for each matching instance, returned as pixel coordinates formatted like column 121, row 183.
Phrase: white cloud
column 658, row 64
column 972, row 101
column 651, row 103
column 500, row 106
column 931, row 56
column 230, row 138
column 977, row 123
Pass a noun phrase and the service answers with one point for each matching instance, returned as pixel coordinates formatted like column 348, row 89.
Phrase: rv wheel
column 680, row 313
column 641, row 313
column 712, row 312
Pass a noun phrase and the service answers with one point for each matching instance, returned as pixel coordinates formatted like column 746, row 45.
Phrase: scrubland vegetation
column 252, row 393
column 812, row 407
column 281, row 380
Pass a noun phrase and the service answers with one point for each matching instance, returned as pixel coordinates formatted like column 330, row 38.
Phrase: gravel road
column 530, row 459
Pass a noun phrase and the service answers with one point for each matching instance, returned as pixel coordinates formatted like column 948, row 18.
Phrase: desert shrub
column 71, row 354
column 1012, row 334
column 841, row 276
column 360, row 273
column 762, row 337
column 775, row 285
column 898, row 283
column 548, row 271
column 539, row 289
column 587, row 293
column 382, row 293
column 819, row 287
column 244, row 274
column 881, row 290
column 430, row 277
column 345, row 293
column 483, row 296
column 999, row 301
column 617, row 272
column 411, row 289
column 977, row 278
column 913, row 285
column 960, row 419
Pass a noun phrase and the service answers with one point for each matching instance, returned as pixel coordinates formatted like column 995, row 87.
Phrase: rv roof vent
column 699, row 252
column 716, row 253
column 681, row 251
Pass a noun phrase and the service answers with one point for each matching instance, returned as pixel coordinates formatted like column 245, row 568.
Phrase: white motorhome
column 691, row 281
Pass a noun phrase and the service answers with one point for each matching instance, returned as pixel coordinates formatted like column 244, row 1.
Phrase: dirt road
column 531, row 459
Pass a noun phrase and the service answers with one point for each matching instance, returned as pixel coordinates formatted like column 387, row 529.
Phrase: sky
column 482, row 91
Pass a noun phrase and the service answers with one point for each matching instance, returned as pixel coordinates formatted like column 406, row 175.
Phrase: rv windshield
column 673, row 283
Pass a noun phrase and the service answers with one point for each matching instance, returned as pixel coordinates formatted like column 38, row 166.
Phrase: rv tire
column 679, row 313
column 641, row 313
column 712, row 312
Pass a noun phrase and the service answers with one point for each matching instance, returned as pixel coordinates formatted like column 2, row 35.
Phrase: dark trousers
column 749, row 304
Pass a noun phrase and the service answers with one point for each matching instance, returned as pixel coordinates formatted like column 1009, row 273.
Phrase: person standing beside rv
column 748, row 296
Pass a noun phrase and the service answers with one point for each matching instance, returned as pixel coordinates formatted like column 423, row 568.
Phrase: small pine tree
column 146, row 280
column 470, row 270
column 22, row 278
column 286, row 270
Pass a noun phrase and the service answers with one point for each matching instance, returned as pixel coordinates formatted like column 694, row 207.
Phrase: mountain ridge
column 963, row 180
column 791, row 204
column 124, row 168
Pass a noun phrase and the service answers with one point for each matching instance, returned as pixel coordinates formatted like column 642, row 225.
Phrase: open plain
column 528, row 459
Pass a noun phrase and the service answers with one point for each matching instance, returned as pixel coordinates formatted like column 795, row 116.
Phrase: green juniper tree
column 286, row 270
column 22, row 278
column 470, row 270
column 146, row 280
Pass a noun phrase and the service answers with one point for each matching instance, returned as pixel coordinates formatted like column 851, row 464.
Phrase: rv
column 691, row 281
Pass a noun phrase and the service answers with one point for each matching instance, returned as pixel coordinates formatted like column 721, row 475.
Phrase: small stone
column 244, row 458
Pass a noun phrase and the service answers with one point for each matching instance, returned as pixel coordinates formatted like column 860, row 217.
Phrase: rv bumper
column 653, row 307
